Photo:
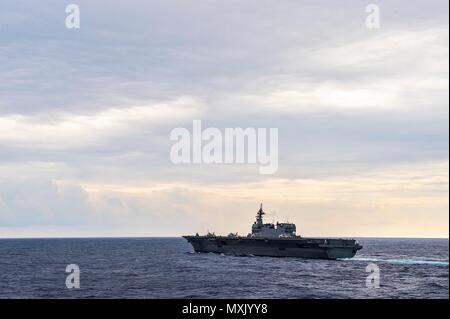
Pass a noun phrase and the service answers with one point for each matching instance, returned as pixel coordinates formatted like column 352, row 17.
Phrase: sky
column 86, row 115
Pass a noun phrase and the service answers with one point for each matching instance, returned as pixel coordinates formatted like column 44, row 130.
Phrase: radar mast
column 259, row 215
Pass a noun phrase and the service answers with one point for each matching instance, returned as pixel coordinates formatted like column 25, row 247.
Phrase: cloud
column 373, row 204
column 28, row 202
column 71, row 131
column 95, row 106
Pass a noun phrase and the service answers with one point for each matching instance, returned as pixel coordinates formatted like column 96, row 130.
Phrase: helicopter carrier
column 275, row 240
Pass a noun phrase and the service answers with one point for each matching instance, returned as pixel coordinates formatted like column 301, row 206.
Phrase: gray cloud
column 96, row 105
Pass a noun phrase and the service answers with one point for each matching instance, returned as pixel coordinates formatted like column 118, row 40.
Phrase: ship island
column 274, row 240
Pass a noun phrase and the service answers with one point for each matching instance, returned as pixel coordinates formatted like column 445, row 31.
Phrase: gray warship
column 278, row 240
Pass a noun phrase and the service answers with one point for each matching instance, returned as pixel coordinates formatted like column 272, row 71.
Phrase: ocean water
column 168, row 268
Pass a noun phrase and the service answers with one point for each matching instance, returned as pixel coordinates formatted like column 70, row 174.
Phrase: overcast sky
column 86, row 115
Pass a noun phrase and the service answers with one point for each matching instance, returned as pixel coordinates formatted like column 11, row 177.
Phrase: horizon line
column 181, row 236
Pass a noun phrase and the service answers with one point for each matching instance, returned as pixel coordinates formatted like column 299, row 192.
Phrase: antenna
column 259, row 215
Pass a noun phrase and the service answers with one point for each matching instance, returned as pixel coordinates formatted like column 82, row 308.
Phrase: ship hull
column 311, row 248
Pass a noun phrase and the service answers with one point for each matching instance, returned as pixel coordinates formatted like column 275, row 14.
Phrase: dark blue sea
column 168, row 268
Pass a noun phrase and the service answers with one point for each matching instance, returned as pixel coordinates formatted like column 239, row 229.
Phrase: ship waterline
column 277, row 240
